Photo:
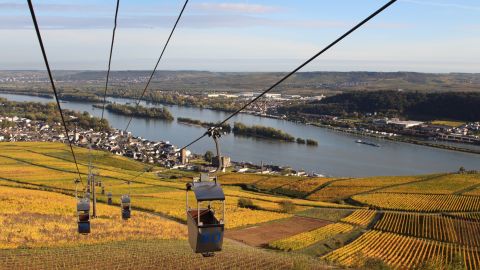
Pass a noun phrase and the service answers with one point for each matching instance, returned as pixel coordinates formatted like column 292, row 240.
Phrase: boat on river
column 367, row 143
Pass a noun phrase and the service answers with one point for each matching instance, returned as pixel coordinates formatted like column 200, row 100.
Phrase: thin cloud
column 445, row 5
column 194, row 21
column 50, row 7
column 237, row 7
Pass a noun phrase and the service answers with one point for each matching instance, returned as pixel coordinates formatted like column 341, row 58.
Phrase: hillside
column 300, row 83
column 311, row 222
column 425, row 106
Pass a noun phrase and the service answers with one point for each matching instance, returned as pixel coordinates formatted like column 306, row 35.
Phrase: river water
column 336, row 155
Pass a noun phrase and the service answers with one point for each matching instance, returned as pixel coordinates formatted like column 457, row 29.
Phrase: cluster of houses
column 269, row 96
column 466, row 133
column 118, row 142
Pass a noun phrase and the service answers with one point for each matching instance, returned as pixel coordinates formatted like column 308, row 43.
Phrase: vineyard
column 309, row 238
column 420, row 202
column 441, row 228
column 403, row 252
column 444, row 184
column 151, row 254
column 404, row 221
column 360, row 217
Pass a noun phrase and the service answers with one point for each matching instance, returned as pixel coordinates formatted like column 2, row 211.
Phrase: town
column 118, row 142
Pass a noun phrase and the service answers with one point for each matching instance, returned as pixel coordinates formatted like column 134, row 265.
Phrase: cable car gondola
column 109, row 198
column 205, row 229
column 126, row 207
column 83, row 213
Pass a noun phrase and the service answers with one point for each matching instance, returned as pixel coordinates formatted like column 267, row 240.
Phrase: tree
column 208, row 156
column 246, row 203
column 287, row 206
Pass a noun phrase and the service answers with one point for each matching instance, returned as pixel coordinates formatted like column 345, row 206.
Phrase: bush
column 208, row 156
column 312, row 142
column 246, row 203
column 287, row 206
column 300, row 141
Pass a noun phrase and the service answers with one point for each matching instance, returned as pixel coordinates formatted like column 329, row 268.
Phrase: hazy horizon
column 435, row 36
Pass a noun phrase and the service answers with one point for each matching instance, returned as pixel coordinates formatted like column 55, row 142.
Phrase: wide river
column 336, row 155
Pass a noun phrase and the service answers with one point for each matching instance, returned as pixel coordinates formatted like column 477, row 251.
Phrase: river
column 336, row 155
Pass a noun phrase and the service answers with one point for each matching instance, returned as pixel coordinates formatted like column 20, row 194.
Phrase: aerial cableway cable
column 360, row 24
column 39, row 36
column 110, row 57
column 139, row 98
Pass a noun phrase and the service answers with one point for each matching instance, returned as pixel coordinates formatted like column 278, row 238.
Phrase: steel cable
column 297, row 69
column 39, row 36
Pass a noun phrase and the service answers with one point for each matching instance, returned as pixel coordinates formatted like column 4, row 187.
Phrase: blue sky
column 253, row 35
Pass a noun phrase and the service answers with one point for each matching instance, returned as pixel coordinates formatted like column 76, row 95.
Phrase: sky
column 249, row 35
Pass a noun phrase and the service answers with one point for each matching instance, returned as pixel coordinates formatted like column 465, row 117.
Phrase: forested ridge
column 415, row 105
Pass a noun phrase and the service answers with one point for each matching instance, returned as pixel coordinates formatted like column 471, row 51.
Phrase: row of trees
column 140, row 111
column 262, row 132
column 269, row 133
column 225, row 127
column 307, row 142
column 460, row 106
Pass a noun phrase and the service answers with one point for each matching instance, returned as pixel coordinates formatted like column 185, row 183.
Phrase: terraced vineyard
column 360, row 217
column 431, row 219
column 420, row 202
column 151, row 254
column 48, row 165
column 468, row 216
column 403, row 252
column 32, row 218
column 444, row 184
column 441, row 228
column 338, row 192
column 309, row 238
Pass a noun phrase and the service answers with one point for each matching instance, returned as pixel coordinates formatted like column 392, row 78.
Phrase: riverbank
column 337, row 153
column 396, row 138
column 340, row 129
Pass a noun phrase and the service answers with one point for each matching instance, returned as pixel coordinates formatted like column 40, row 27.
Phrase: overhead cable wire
column 39, row 36
column 360, row 24
column 110, row 58
column 139, row 98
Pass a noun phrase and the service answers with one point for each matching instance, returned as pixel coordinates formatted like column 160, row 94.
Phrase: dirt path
column 261, row 235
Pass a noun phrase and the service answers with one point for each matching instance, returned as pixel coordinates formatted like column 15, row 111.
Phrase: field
column 441, row 228
column 32, row 218
column 360, row 217
column 444, row 184
column 404, row 252
column 407, row 222
column 420, row 202
column 263, row 234
column 306, row 239
column 151, row 254
column 448, row 123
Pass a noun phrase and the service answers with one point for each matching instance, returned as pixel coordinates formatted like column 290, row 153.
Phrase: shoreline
column 397, row 139
column 334, row 128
